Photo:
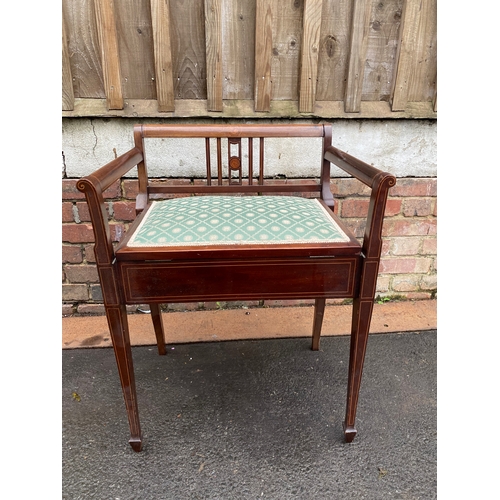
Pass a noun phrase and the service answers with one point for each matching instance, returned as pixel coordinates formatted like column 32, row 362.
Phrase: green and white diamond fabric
column 229, row 220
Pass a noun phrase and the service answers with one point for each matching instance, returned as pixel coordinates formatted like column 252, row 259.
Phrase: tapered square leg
column 158, row 326
column 118, row 326
column 361, row 318
column 319, row 311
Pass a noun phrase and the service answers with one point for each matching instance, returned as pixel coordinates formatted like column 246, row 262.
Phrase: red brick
column 82, row 233
column 419, row 207
column 429, row 246
column 356, row 226
column 84, row 213
column 130, row 188
column 406, row 283
column 89, row 253
column 113, row 191
column 429, row 282
column 71, row 293
column 67, row 309
column 91, row 309
column 69, row 191
column 71, row 254
column 405, row 246
column 383, row 283
column 409, row 227
column 404, row 265
column 393, row 207
column 82, row 274
column 67, row 212
column 415, row 187
column 354, row 208
column 348, row 187
column 359, row 207
column 124, row 210
column 386, row 246
column 77, row 233
column 96, row 293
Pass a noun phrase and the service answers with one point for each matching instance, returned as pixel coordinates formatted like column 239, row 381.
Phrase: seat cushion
column 230, row 220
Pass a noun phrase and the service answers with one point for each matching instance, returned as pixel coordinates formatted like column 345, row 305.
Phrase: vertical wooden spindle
column 261, row 161
column 219, row 160
column 250, row 161
column 207, row 159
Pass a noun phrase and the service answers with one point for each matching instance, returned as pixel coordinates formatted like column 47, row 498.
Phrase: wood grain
column 213, row 35
column 68, row 96
column 238, row 47
column 287, row 27
column 188, row 49
column 405, row 53
column 197, row 108
column 135, row 48
column 263, row 47
column 160, row 18
column 382, row 48
column 334, row 50
column 84, row 50
column 422, row 85
column 309, row 59
column 108, row 39
column 357, row 55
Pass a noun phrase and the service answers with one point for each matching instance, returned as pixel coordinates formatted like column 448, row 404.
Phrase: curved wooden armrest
column 380, row 182
column 93, row 186
column 365, row 173
column 114, row 170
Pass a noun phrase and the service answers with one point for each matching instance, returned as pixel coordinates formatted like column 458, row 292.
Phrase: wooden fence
column 249, row 58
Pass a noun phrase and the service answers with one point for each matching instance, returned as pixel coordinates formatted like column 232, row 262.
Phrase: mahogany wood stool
column 236, row 236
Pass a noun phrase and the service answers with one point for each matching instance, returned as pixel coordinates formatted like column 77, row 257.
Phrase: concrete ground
column 252, row 323
column 257, row 417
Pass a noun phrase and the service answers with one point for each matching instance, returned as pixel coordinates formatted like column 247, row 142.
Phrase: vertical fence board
column 357, row 55
column 309, row 59
column 422, row 85
column 84, row 51
column 68, row 96
column 263, row 47
column 238, row 42
column 405, row 53
column 135, row 48
column 160, row 18
column 334, row 50
column 188, row 49
column 213, row 34
column 286, row 48
column 382, row 48
column 109, row 52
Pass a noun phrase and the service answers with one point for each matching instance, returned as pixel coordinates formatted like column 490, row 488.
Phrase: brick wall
column 408, row 266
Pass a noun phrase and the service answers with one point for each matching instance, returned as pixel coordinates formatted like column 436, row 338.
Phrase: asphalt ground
column 251, row 419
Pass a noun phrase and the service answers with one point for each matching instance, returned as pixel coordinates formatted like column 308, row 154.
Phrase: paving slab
column 251, row 323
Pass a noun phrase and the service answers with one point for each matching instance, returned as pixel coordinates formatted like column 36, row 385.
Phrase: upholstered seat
column 229, row 220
